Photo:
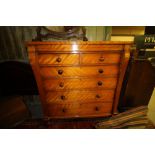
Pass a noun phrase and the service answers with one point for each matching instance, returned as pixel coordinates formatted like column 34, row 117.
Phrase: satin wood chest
column 79, row 79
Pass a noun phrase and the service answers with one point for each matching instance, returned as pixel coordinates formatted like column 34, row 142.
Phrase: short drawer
column 47, row 72
column 58, row 59
column 79, row 83
column 102, row 58
column 79, row 96
column 88, row 109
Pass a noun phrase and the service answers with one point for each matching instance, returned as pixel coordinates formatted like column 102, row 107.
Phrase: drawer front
column 47, row 72
column 58, row 59
column 98, row 109
column 80, row 96
column 85, row 83
column 101, row 58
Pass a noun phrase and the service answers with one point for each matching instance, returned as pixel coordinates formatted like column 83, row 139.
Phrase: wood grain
column 100, row 71
column 101, row 58
column 123, row 67
column 75, row 48
column 79, row 79
column 79, row 110
column 80, row 83
column 58, row 59
column 79, row 96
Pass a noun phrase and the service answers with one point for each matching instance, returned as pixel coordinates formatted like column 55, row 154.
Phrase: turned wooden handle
column 63, row 97
column 101, row 59
column 97, row 108
column 98, row 96
column 60, row 71
column 99, row 83
column 64, row 110
column 61, row 84
column 100, row 70
column 58, row 59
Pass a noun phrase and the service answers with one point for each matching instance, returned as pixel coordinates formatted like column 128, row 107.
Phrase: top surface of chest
column 78, row 46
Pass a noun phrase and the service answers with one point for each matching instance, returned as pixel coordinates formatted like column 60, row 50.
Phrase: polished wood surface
column 80, row 83
column 58, row 59
column 100, row 71
column 123, row 66
column 79, row 110
column 100, row 58
column 74, row 47
column 80, row 96
column 79, row 79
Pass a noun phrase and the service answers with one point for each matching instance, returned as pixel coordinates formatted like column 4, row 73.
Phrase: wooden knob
column 97, row 108
column 100, row 70
column 64, row 110
column 63, row 97
column 58, row 59
column 101, row 59
column 98, row 96
column 61, row 84
column 60, row 71
column 99, row 83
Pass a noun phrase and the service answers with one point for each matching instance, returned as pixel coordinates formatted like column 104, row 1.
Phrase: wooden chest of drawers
column 79, row 79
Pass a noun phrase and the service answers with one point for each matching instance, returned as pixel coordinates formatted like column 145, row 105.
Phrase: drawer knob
column 97, row 108
column 60, row 71
column 98, row 96
column 99, row 83
column 63, row 97
column 100, row 70
column 64, row 110
column 101, row 59
column 58, row 59
column 61, row 84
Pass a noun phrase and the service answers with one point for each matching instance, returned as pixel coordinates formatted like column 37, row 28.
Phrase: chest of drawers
column 79, row 79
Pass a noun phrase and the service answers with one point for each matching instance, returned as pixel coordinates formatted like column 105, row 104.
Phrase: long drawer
column 47, row 72
column 79, row 83
column 88, row 109
column 80, row 96
column 101, row 58
column 58, row 59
